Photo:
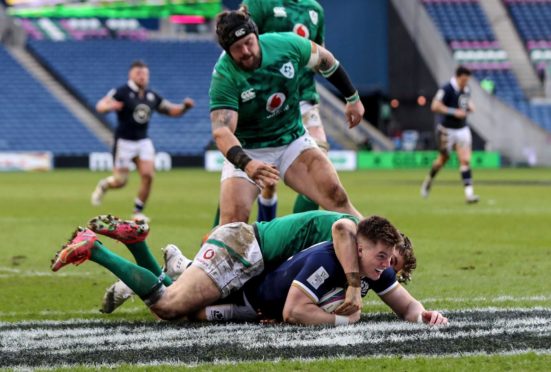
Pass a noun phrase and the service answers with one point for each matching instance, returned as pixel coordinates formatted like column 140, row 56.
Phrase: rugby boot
column 77, row 250
column 126, row 232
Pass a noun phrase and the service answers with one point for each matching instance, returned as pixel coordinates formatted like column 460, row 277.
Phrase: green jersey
column 282, row 237
column 303, row 17
column 265, row 99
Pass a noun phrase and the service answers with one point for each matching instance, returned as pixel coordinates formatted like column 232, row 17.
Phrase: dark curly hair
column 379, row 229
column 405, row 249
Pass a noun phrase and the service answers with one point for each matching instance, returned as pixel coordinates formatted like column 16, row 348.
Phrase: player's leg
column 444, row 147
column 267, row 204
column 312, row 174
column 463, row 149
column 123, row 152
column 237, row 195
column 311, row 120
column 145, row 163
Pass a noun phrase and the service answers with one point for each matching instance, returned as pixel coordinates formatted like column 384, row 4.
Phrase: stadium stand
column 466, row 29
column 178, row 69
column 32, row 120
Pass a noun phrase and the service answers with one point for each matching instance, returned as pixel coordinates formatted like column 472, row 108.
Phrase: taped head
column 234, row 25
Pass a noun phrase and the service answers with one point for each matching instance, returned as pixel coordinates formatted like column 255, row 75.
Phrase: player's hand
column 263, row 174
column 354, row 113
column 354, row 317
column 188, row 103
column 460, row 114
column 433, row 318
column 352, row 302
column 116, row 105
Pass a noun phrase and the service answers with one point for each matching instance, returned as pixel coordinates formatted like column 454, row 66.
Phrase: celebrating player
column 256, row 120
column 231, row 255
column 134, row 104
column 453, row 103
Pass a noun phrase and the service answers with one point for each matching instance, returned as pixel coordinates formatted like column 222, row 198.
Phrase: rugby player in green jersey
column 256, row 119
column 231, row 255
column 305, row 18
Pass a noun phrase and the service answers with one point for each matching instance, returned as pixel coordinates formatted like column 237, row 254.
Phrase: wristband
column 238, row 157
column 353, row 279
column 451, row 111
column 341, row 320
column 353, row 98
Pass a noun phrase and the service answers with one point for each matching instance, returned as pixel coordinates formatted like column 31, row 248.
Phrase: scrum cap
column 234, row 25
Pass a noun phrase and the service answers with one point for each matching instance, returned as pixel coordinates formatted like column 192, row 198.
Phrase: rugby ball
column 332, row 299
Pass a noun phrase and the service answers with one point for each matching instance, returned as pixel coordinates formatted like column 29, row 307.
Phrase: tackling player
column 134, row 103
column 453, row 103
column 232, row 254
column 256, row 120
column 293, row 292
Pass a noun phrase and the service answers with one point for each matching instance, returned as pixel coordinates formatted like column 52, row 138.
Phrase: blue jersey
column 133, row 118
column 451, row 96
column 316, row 271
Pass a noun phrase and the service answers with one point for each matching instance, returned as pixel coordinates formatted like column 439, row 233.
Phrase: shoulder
column 381, row 286
column 279, row 37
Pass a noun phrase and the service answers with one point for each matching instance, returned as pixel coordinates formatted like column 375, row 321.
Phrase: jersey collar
column 454, row 85
column 133, row 86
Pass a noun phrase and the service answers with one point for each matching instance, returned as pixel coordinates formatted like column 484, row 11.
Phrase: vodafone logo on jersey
column 275, row 101
column 301, row 30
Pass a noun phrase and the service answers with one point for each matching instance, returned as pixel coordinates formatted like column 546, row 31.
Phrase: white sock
column 469, row 191
column 267, row 202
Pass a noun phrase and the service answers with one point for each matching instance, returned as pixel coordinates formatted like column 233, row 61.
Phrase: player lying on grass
column 305, row 288
column 232, row 254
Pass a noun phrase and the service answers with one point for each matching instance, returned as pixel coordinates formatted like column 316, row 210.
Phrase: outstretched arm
column 344, row 240
column 172, row 109
column 224, row 124
column 108, row 104
column 411, row 310
column 323, row 61
column 438, row 107
column 300, row 309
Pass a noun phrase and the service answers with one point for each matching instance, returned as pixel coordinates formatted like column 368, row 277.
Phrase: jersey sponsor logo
column 279, row 11
column 365, row 287
column 150, row 96
column 141, row 113
column 313, row 16
column 301, row 30
column 318, row 277
column 209, row 253
column 275, row 101
column 248, row 94
column 288, row 70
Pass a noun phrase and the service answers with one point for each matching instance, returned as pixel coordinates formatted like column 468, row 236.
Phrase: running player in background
column 306, row 19
column 256, row 120
column 453, row 103
column 134, row 103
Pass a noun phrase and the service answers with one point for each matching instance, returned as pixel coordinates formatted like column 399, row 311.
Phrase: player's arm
column 323, row 61
column 108, row 104
column 176, row 109
column 343, row 232
column 300, row 309
column 437, row 106
column 224, row 124
column 409, row 309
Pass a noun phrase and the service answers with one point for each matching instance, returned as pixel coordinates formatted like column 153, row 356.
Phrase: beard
column 251, row 63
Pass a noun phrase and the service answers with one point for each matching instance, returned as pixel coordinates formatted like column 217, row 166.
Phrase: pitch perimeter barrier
column 422, row 159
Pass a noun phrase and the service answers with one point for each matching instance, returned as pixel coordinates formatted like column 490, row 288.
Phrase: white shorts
column 127, row 150
column 310, row 114
column 448, row 138
column 230, row 257
column 282, row 157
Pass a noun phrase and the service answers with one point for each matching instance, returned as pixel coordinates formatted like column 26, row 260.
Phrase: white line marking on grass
column 498, row 299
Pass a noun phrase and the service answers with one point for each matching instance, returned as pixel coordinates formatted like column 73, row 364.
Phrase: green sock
column 304, row 204
column 139, row 279
column 144, row 258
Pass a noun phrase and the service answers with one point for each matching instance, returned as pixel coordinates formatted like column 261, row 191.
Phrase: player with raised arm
column 453, row 103
column 232, row 254
column 134, row 103
column 256, row 120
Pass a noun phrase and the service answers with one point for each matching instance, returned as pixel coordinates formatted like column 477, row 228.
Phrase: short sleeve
column 222, row 93
column 302, row 47
column 116, row 94
column 439, row 96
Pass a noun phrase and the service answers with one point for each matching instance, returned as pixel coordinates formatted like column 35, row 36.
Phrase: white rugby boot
column 115, row 296
column 175, row 262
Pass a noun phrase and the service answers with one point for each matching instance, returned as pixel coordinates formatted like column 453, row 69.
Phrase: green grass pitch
column 495, row 254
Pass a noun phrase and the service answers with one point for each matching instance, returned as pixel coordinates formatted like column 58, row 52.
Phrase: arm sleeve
column 222, row 93
column 320, row 274
column 300, row 46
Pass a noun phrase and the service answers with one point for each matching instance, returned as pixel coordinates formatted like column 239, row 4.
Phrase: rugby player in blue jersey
column 292, row 292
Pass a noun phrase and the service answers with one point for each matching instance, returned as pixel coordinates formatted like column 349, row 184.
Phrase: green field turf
column 493, row 254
